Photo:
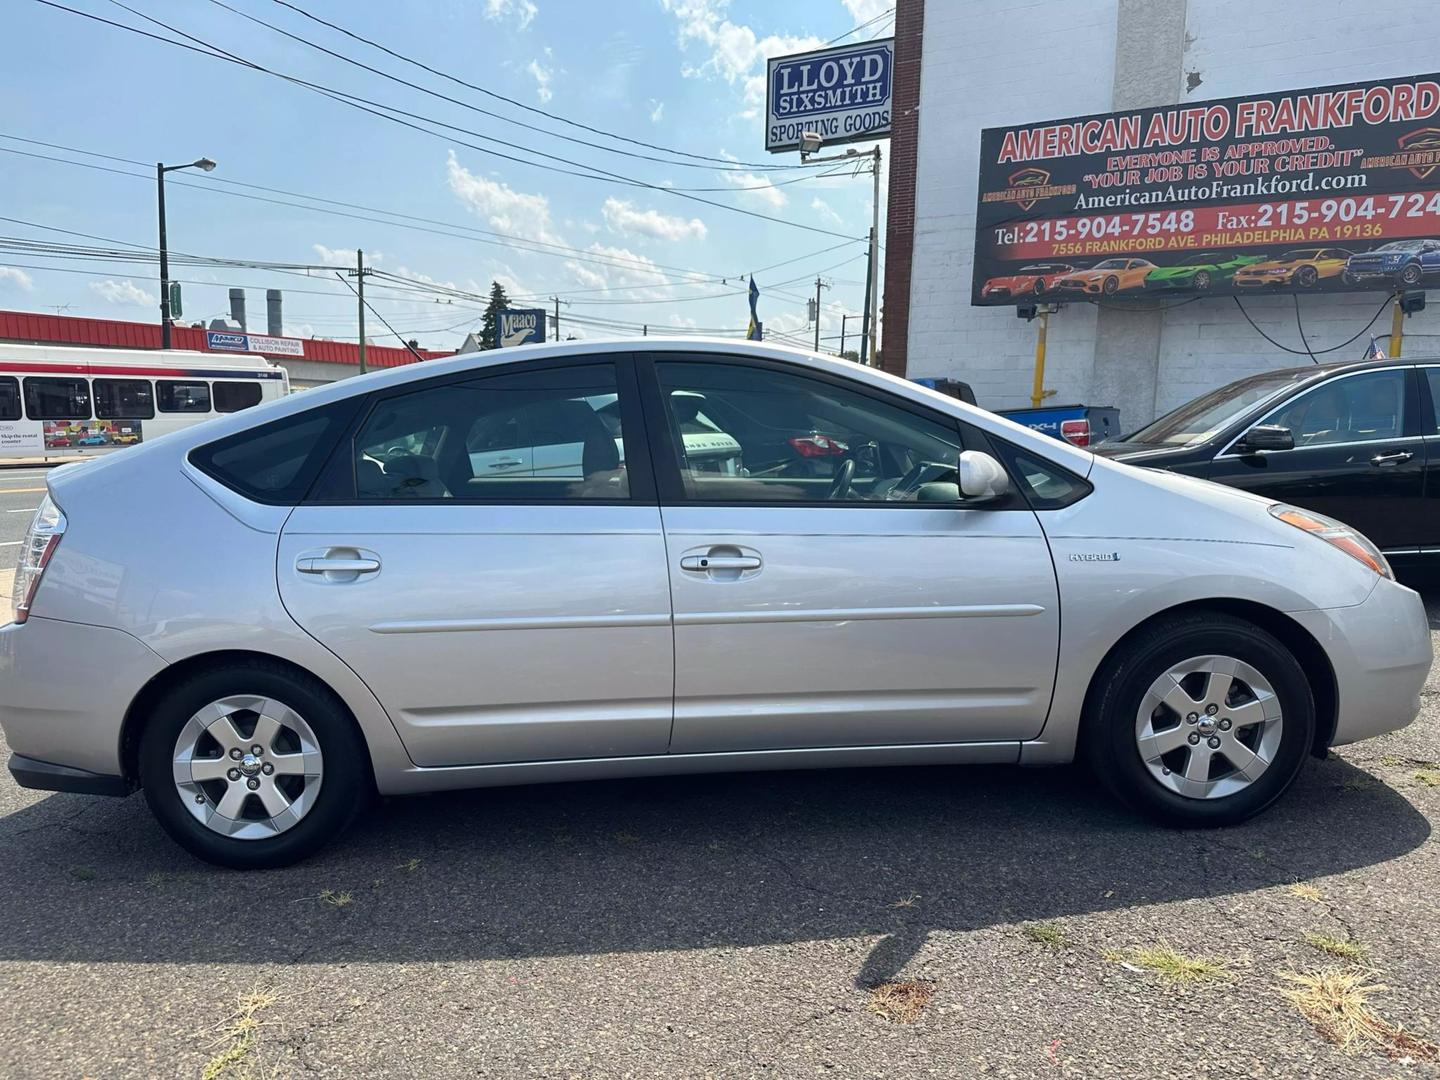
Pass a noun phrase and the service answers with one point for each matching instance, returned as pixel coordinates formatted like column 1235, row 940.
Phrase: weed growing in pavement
column 900, row 1002
column 1358, row 783
column 336, row 899
column 913, row 900
column 1345, row 950
column 1175, row 966
column 83, row 873
column 1337, row 1002
column 1428, row 777
column 238, row 1035
column 1044, row 933
column 409, row 865
column 1303, row 890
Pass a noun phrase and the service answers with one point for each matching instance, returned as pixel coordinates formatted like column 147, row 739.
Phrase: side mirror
column 1266, row 437
column 981, row 476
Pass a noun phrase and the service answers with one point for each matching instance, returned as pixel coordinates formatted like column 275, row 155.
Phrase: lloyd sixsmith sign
column 842, row 94
column 520, row 326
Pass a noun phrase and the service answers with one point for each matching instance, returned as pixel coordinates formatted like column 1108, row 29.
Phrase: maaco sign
column 525, row 326
column 842, row 94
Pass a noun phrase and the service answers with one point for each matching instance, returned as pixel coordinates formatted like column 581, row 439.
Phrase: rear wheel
column 1307, row 276
column 1111, row 285
column 1202, row 280
column 252, row 765
column 1411, row 274
column 1203, row 720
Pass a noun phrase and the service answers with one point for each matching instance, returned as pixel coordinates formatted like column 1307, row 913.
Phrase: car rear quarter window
column 277, row 462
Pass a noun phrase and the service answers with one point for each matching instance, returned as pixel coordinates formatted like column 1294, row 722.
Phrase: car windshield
column 1299, row 254
column 1111, row 264
column 1201, row 259
column 1202, row 418
column 1402, row 245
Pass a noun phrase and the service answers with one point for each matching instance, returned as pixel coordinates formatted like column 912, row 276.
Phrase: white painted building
column 1010, row 62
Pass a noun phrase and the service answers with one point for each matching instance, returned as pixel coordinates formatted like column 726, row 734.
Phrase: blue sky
column 683, row 74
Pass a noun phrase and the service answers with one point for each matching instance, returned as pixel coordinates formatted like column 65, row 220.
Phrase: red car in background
column 1033, row 280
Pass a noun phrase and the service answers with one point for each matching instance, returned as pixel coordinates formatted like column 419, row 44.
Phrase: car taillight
column 1075, row 432
column 817, row 445
column 36, row 550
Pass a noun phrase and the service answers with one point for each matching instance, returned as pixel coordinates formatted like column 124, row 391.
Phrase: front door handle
column 337, row 566
column 707, row 563
column 506, row 463
column 1395, row 457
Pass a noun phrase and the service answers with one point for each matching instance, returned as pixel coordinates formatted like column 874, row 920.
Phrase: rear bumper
column 46, row 776
column 1380, row 650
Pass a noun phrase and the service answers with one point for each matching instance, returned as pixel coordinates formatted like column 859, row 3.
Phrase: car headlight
column 41, row 539
column 1335, row 534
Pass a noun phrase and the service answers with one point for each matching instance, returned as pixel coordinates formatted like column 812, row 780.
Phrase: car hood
column 1176, row 271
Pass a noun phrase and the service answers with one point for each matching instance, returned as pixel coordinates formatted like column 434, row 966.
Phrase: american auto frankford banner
column 1334, row 188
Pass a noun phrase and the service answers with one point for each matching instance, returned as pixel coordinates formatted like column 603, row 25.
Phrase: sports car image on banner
column 1329, row 189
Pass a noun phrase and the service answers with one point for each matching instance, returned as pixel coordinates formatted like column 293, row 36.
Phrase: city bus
column 60, row 402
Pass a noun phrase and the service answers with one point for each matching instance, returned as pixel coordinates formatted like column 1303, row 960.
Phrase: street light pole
column 205, row 165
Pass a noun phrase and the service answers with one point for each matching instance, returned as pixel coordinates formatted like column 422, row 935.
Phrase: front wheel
column 1410, row 275
column 252, row 765
column 1203, row 720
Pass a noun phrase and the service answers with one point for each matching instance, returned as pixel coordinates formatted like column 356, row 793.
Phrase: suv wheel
column 1205, row 720
column 252, row 765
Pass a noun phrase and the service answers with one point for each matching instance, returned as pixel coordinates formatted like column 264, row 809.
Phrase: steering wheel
column 840, row 485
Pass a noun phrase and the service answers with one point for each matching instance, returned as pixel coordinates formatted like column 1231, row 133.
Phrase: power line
column 1307, row 351
column 505, row 240
column 372, row 107
column 832, row 41
column 520, row 104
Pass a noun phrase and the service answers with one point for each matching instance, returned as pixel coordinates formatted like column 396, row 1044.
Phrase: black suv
column 1355, row 441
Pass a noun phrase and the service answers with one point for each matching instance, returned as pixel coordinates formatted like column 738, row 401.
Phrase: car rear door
column 1358, row 457
column 498, row 618
column 812, row 611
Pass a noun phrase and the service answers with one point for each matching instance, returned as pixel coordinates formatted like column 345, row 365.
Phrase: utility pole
column 843, row 319
column 872, row 312
column 359, row 273
column 819, row 284
column 557, row 316
column 205, row 165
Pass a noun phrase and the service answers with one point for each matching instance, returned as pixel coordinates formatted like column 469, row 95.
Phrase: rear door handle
column 706, row 563
column 1395, row 457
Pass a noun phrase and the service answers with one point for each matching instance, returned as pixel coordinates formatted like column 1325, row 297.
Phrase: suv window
column 277, row 462
column 124, row 399
column 756, row 434
column 1353, row 408
column 526, row 436
column 9, row 398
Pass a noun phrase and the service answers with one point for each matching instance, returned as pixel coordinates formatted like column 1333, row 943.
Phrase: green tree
column 490, row 325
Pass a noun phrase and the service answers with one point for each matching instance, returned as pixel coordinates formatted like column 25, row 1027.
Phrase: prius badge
column 1095, row 556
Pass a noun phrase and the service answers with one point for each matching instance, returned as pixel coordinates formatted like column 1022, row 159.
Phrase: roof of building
column 33, row 329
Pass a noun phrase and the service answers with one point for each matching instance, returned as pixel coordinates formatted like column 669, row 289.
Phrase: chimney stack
column 274, row 320
column 237, row 308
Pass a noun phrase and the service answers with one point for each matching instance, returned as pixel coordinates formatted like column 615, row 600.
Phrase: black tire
column 1411, row 275
column 1111, row 286
column 346, row 785
column 1109, row 730
column 1202, row 280
column 1307, row 277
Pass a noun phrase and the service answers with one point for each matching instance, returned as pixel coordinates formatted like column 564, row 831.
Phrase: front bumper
column 64, row 690
column 1261, row 282
column 1380, row 650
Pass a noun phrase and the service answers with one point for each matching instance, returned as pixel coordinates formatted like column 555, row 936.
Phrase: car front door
column 498, row 618
column 841, row 594
column 1358, row 455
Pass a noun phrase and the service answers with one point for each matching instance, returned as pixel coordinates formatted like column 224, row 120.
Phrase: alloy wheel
column 1209, row 727
column 247, row 767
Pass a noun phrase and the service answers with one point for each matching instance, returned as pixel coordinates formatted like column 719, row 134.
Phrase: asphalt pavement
column 736, row 926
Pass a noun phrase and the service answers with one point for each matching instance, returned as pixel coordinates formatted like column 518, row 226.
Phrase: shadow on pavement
column 723, row 861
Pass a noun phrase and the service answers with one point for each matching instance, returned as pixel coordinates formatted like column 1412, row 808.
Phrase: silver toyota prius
column 597, row 560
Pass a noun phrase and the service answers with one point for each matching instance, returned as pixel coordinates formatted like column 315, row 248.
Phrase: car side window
column 527, row 436
column 1356, row 408
column 756, row 434
column 1432, row 377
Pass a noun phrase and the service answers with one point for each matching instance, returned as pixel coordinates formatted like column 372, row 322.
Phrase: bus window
column 124, row 399
column 183, row 396
column 9, row 398
column 234, row 396
column 57, row 399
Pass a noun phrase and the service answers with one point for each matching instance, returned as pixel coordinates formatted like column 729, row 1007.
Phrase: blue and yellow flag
column 757, row 328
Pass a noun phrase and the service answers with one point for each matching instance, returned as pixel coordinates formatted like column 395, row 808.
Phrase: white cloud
column 657, row 111
column 124, row 292
column 343, row 257
column 620, row 268
column 11, row 275
column 760, row 188
column 734, row 50
column 542, row 76
column 517, row 212
column 522, row 11
column 862, row 11
column 622, row 217
column 825, row 211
